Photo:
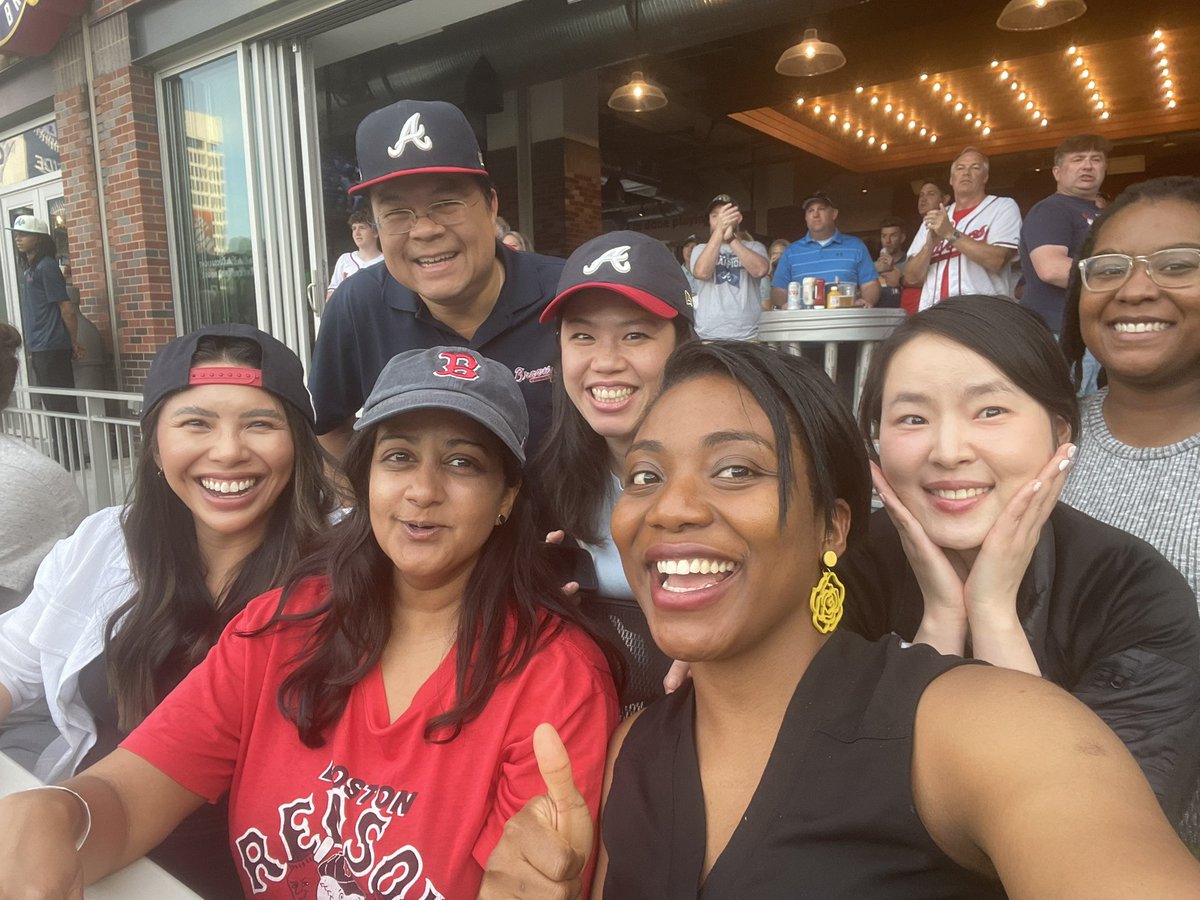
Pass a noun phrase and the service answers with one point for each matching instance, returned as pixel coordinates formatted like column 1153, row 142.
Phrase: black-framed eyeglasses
column 1174, row 267
column 446, row 213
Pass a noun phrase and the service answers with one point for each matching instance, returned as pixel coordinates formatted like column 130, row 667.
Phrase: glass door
column 46, row 203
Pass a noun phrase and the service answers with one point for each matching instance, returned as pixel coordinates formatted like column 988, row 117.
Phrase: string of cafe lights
column 1096, row 103
column 957, row 105
column 860, row 130
column 1021, row 94
column 905, row 119
column 1162, row 68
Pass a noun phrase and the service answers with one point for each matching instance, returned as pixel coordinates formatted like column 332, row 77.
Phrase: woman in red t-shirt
column 373, row 721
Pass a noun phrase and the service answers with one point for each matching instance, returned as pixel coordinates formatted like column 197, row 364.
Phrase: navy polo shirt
column 372, row 317
column 41, row 316
column 1062, row 220
column 844, row 256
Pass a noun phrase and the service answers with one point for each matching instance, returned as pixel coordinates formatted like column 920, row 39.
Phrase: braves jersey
column 349, row 263
column 377, row 811
column 994, row 220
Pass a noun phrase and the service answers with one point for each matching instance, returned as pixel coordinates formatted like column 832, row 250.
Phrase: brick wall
column 132, row 182
column 566, row 193
column 581, row 194
column 137, row 220
column 108, row 7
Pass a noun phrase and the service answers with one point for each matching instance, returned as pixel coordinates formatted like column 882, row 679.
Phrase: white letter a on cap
column 617, row 257
column 413, row 133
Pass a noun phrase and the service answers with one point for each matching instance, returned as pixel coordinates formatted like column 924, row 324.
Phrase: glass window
column 31, row 154
column 207, row 152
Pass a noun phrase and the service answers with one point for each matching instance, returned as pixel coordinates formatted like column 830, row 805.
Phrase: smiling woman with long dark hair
column 228, row 494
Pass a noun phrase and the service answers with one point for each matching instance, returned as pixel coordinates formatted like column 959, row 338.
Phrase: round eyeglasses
column 446, row 213
column 1174, row 267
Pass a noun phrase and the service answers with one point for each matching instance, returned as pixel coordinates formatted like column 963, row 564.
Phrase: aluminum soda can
column 793, row 295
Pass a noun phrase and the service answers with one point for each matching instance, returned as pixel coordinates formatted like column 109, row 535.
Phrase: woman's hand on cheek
column 991, row 588
column 944, row 624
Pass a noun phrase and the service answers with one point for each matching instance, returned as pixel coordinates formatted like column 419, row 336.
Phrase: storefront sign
column 33, row 27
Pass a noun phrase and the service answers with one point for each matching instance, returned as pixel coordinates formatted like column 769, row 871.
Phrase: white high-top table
column 863, row 328
column 141, row 880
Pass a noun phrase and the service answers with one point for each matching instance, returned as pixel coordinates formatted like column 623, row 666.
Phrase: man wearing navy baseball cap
column 446, row 280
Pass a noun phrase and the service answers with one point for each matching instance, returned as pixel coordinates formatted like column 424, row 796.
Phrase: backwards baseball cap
column 719, row 200
column 631, row 264
column 415, row 136
column 29, row 225
column 453, row 378
column 818, row 197
column 281, row 372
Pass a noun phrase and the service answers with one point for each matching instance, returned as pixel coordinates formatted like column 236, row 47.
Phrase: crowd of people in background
column 401, row 628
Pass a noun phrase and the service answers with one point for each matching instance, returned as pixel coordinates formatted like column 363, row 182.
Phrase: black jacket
column 1107, row 617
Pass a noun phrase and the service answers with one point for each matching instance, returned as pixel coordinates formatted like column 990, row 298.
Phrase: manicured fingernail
column 1064, row 465
column 1037, row 486
column 1071, row 451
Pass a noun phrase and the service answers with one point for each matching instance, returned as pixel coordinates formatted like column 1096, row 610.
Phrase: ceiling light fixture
column 639, row 95
column 812, row 56
column 1036, row 15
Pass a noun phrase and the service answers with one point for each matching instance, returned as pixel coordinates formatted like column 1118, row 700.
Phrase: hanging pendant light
column 812, row 56
column 638, row 95
column 1035, row 15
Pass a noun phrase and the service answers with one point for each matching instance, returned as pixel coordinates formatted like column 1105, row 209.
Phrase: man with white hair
column 967, row 247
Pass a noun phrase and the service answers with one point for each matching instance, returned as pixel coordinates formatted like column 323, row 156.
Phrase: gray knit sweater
column 1151, row 492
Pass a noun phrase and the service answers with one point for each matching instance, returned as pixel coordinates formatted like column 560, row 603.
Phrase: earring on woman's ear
column 827, row 597
column 501, row 519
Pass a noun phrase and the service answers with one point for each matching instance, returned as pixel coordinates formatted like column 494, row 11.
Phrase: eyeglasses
column 446, row 213
column 1174, row 267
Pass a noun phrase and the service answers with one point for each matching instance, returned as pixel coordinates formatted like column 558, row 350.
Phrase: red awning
column 33, row 27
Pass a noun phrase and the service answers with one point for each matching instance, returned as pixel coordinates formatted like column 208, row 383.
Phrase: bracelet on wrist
column 87, row 810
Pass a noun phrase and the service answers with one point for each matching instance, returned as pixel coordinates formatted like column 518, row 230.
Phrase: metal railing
column 98, row 444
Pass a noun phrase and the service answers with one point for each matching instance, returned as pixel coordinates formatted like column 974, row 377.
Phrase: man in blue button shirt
column 825, row 253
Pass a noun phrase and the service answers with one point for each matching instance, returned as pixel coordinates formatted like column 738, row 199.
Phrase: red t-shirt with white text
column 377, row 812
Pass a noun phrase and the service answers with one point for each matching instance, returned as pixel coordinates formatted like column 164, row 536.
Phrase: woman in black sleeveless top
column 803, row 764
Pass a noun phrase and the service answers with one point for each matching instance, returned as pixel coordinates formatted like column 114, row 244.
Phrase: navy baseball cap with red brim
column 412, row 137
column 631, row 264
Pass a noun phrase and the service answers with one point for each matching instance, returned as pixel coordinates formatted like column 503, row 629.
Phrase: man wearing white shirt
column 366, row 240
column 968, row 247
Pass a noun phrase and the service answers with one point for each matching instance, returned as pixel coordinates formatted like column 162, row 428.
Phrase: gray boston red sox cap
column 631, row 264
column 454, row 378
column 412, row 137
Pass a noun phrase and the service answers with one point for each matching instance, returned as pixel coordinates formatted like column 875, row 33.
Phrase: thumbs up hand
column 545, row 846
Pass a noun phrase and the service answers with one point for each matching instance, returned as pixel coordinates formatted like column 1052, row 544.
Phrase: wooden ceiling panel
column 1115, row 87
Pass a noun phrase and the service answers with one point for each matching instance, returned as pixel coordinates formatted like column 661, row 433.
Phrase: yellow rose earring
column 827, row 597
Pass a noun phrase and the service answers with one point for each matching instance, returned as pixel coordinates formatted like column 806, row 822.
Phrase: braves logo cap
column 631, row 264
column 281, row 372
column 414, row 136
column 29, row 225
column 453, row 378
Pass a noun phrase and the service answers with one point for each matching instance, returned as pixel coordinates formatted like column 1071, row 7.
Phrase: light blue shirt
column 842, row 256
column 610, row 574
